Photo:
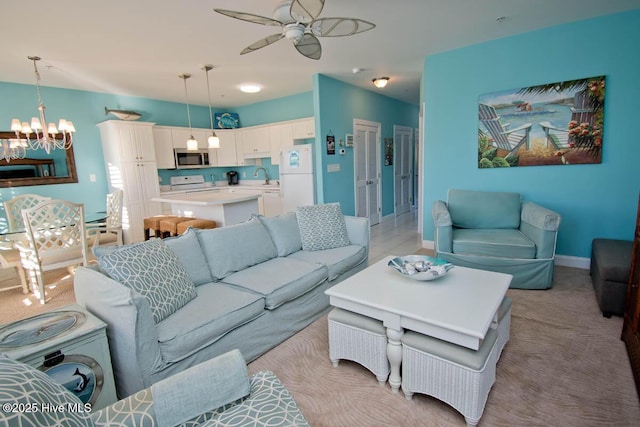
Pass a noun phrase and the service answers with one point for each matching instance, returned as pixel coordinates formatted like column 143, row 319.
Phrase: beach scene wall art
column 550, row 124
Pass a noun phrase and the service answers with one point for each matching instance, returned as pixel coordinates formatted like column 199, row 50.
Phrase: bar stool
column 153, row 223
column 169, row 225
column 202, row 224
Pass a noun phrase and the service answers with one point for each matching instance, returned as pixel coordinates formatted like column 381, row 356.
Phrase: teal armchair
column 497, row 231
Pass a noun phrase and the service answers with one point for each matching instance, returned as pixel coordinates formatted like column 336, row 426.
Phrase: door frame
column 378, row 159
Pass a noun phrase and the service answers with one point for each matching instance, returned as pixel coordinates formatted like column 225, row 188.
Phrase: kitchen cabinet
column 255, row 142
column 305, row 128
column 279, row 136
column 163, row 143
column 227, row 152
column 129, row 154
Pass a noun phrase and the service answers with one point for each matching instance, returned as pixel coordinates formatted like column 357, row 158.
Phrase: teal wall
column 597, row 200
column 291, row 107
column 337, row 104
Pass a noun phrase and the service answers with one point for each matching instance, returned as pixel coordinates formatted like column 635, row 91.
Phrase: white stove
column 189, row 182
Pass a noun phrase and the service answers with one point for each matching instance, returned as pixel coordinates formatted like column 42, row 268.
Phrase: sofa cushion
column 279, row 279
column 484, row 209
column 337, row 260
column 187, row 248
column 218, row 309
column 284, row 232
column 23, row 387
column 496, row 243
column 152, row 270
column 322, row 227
column 236, row 247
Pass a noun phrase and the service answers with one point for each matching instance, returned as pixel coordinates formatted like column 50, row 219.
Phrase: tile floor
column 399, row 236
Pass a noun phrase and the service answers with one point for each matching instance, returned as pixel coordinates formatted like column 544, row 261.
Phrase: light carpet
column 565, row 365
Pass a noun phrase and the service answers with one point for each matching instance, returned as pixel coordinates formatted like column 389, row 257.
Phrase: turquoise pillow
column 322, row 227
column 187, row 248
column 284, row 232
column 152, row 270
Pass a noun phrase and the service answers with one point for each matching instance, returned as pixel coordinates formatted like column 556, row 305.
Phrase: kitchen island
column 222, row 207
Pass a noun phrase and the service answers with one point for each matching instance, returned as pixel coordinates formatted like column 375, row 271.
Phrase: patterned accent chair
column 218, row 392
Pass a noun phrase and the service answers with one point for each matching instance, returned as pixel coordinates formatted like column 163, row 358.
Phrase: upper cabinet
column 280, row 136
column 163, row 142
column 255, row 142
column 227, row 152
column 134, row 140
column 181, row 135
column 305, row 128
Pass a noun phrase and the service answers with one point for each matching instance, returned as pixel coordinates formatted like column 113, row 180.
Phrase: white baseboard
column 563, row 260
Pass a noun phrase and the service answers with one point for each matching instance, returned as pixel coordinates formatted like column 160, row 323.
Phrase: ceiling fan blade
column 339, row 27
column 309, row 46
column 262, row 43
column 306, row 10
column 249, row 17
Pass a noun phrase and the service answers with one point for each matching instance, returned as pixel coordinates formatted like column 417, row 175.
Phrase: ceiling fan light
column 380, row 82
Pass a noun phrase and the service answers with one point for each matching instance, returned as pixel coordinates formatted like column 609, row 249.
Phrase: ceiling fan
column 299, row 22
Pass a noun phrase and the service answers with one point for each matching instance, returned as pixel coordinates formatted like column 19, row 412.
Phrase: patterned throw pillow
column 152, row 270
column 322, row 227
column 24, row 389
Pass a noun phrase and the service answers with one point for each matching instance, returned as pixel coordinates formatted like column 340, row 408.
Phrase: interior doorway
column 402, row 169
column 366, row 150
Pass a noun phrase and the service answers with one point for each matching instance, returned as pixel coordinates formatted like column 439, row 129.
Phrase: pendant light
column 213, row 140
column 192, row 143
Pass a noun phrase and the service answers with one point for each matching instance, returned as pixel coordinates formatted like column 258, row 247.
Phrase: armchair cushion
column 152, row 270
column 210, row 385
column 24, row 389
column 493, row 242
column 484, row 209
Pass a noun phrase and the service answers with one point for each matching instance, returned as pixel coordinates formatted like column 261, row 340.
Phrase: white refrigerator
column 297, row 183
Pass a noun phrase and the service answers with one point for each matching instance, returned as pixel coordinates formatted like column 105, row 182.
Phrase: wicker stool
column 153, row 223
column 195, row 223
column 360, row 339
column 456, row 375
column 169, row 225
column 504, row 324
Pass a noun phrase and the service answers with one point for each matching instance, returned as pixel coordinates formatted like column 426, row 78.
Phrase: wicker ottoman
column 504, row 324
column 360, row 339
column 202, row 224
column 610, row 268
column 456, row 375
column 153, row 223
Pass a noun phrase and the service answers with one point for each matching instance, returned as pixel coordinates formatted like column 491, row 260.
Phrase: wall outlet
column 244, row 174
column 92, row 177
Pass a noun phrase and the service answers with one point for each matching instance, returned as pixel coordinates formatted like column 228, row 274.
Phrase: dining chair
column 110, row 231
column 13, row 209
column 55, row 238
column 10, row 258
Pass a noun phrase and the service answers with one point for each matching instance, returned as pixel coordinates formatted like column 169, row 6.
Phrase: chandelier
column 45, row 135
column 11, row 149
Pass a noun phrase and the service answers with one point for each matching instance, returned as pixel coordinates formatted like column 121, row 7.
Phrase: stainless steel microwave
column 191, row 159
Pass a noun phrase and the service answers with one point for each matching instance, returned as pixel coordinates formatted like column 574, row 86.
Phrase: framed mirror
column 38, row 167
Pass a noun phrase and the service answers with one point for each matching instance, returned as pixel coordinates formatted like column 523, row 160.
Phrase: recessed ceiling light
column 250, row 88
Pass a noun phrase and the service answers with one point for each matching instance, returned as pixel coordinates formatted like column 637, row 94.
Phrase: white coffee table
column 458, row 308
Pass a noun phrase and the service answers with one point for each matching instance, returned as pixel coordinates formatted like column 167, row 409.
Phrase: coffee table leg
column 394, row 354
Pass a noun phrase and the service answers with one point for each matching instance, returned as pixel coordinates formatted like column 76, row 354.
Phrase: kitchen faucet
column 266, row 175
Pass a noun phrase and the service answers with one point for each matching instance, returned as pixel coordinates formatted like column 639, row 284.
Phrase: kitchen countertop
column 224, row 189
column 205, row 198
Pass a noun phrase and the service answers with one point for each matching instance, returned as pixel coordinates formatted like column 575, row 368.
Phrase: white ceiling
column 138, row 47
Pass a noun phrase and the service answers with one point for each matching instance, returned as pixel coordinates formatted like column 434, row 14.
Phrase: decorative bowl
column 420, row 267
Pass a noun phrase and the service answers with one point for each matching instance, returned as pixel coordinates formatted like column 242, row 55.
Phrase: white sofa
column 254, row 286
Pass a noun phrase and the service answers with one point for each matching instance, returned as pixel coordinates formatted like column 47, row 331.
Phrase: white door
column 402, row 168
column 367, row 172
